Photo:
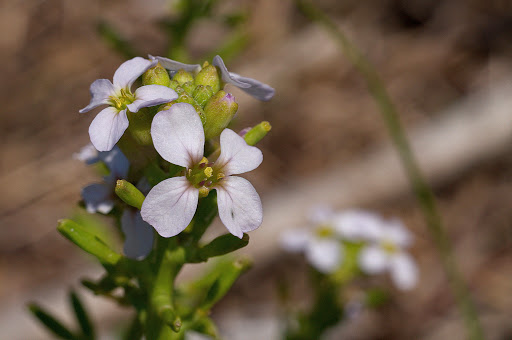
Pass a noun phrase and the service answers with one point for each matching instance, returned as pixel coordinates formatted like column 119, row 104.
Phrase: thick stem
column 421, row 189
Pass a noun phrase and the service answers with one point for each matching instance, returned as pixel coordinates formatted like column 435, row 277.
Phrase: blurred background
column 446, row 64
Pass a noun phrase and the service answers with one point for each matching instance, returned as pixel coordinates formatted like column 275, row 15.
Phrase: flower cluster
column 381, row 244
column 178, row 109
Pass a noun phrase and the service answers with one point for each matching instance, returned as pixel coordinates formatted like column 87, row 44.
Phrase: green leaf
column 81, row 315
column 55, row 326
column 222, row 245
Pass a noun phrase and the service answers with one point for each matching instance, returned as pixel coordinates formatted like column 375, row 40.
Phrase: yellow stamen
column 208, row 172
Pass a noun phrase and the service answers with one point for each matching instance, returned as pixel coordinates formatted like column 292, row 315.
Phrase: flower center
column 122, row 100
column 389, row 247
column 324, row 231
column 204, row 176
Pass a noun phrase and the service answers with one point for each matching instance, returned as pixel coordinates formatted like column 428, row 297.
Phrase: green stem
column 420, row 187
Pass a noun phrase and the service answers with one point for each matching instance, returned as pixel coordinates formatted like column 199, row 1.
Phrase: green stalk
column 421, row 189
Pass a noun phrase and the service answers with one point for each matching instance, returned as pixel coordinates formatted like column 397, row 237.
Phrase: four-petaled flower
column 386, row 253
column 320, row 244
column 251, row 86
column 178, row 137
column 109, row 125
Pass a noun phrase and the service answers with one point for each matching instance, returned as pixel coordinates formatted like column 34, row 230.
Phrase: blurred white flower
column 178, row 137
column 109, row 125
column 99, row 197
column 387, row 253
column 320, row 244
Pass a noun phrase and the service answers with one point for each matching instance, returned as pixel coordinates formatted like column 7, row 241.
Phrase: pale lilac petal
column 178, row 135
column 253, row 87
column 87, row 154
column 396, row 233
column 138, row 235
column 358, row 225
column 107, row 128
column 295, row 240
column 324, row 254
column 116, row 162
column 320, row 214
column 239, row 205
column 404, row 271
column 236, row 157
column 130, row 70
column 174, row 66
column 101, row 90
column 373, row 260
column 170, row 206
column 98, row 198
column 151, row 95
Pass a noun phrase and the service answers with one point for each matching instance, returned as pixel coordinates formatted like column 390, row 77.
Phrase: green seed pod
column 129, row 193
column 156, row 76
column 208, row 76
column 254, row 135
column 183, row 77
column 219, row 111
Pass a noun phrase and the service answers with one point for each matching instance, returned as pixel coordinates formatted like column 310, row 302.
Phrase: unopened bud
column 140, row 125
column 156, row 76
column 129, row 193
column 183, row 77
column 219, row 111
column 257, row 133
column 189, row 87
column 202, row 94
column 208, row 76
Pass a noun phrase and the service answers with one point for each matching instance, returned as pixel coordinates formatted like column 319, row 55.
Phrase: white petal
column 295, row 240
column 174, row 66
column 251, row 86
column 116, row 162
column 130, row 70
column 320, row 214
column 358, row 225
column 403, row 271
column 87, row 154
column 101, row 90
column 396, row 233
column 239, row 205
column 373, row 260
column 170, row 206
column 138, row 235
column 98, row 198
column 107, row 128
column 151, row 95
column 324, row 254
column 178, row 135
column 236, row 157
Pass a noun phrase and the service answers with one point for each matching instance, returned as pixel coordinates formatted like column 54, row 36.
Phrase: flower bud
column 254, row 135
column 219, row 111
column 140, row 125
column 156, row 76
column 189, row 87
column 129, row 193
column 208, row 76
column 182, row 77
column 202, row 94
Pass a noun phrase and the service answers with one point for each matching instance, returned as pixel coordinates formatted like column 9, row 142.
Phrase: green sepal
column 83, row 319
column 189, row 87
column 140, row 125
column 202, row 94
column 88, row 242
column 129, row 193
column 254, row 135
column 225, row 280
column 156, row 75
column 55, row 326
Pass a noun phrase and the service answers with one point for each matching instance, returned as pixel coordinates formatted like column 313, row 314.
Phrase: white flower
column 358, row 225
column 138, row 235
column 99, row 197
column 251, row 86
column 387, row 254
column 87, row 154
column 109, row 125
column 320, row 244
column 178, row 137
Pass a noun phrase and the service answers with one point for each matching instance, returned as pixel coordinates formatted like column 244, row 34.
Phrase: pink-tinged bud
column 219, row 111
